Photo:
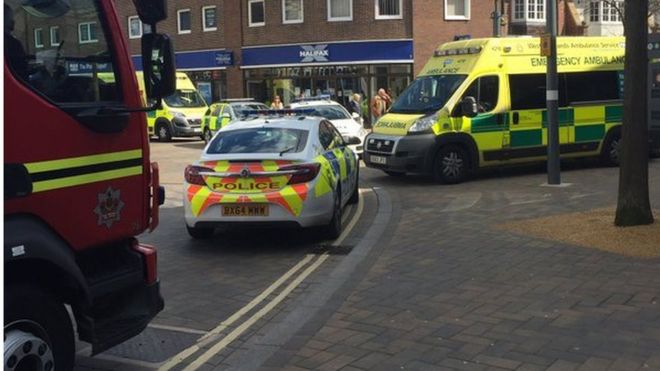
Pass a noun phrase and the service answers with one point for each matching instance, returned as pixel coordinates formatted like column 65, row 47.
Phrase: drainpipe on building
column 496, row 16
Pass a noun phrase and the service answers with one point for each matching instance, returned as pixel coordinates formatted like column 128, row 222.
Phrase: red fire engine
column 79, row 185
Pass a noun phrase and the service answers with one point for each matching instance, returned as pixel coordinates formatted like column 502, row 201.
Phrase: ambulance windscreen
column 427, row 94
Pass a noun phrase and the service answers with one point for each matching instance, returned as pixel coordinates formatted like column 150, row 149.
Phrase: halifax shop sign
column 380, row 51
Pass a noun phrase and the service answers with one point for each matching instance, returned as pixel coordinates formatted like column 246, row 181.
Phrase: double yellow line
column 218, row 344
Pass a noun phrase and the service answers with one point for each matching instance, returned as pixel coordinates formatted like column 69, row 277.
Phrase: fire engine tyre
column 207, row 136
column 611, row 153
column 355, row 195
column 451, row 165
column 200, row 233
column 333, row 229
column 38, row 331
column 163, row 132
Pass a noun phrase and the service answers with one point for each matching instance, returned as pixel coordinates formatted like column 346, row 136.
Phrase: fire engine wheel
column 333, row 229
column 207, row 136
column 200, row 233
column 450, row 165
column 163, row 132
column 32, row 319
column 611, row 152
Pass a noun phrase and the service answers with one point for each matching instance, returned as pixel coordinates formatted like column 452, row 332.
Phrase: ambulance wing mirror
column 151, row 11
column 469, row 107
column 158, row 66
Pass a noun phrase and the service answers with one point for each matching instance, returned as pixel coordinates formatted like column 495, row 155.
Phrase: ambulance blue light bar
column 461, row 51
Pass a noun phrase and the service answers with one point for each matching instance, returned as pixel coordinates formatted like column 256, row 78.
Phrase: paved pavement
column 424, row 281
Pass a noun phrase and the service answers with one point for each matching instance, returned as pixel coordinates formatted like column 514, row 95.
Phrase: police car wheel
column 611, row 153
column 200, row 233
column 38, row 331
column 450, row 165
column 163, row 132
column 207, row 136
column 333, row 229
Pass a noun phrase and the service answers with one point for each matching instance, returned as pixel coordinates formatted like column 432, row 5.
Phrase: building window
column 529, row 10
column 292, row 11
column 38, row 37
column 611, row 13
column 457, row 9
column 87, row 33
column 340, row 10
column 55, row 36
column 134, row 27
column 256, row 13
column 183, row 21
column 209, row 18
column 388, row 9
column 594, row 11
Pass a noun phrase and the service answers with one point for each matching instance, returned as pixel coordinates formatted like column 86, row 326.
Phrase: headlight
column 178, row 114
column 424, row 124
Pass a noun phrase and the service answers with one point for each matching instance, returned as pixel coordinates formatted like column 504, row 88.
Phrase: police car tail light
column 192, row 174
column 302, row 173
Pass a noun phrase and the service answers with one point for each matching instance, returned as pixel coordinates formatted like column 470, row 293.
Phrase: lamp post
column 552, row 96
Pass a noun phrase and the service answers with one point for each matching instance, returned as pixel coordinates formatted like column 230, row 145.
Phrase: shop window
column 87, row 33
column 292, row 11
column 55, row 36
column 183, row 21
column 529, row 10
column 38, row 38
column 256, row 13
column 340, row 10
column 134, row 27
column 388, row 9
column 209, row 18
column 457, row 9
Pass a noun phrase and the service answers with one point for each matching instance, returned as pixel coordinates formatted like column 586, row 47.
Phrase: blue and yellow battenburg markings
column 76, row 171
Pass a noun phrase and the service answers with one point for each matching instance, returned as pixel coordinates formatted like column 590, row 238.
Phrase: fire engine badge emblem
column 109, row 207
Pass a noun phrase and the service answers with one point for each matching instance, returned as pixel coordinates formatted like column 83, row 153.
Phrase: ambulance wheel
column 163, row 132
column 200, row 233
column 333, row 229
column 207, row 136
column 450, row 165
column 394, row 173
column 355, row 195
column 38, row 331
column 611, row 153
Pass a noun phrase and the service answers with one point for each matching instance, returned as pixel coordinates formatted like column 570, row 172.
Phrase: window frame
column 339, row 19
column 466, row 17
column 178, row 21
column 50, row 35
column 386, row 17
column 38, row 31
column 89, row 33
column 130, row 35
column 256, row 24
column 295, row 21
column 209, row 29
column 525, row 11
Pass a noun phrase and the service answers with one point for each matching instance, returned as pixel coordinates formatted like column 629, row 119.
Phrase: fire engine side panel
column 90, row 187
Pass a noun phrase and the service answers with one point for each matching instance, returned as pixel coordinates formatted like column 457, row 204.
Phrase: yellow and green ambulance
column 482, row 102
column 181, row 114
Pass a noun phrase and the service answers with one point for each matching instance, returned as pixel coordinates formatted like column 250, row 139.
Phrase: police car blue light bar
column 280, row 112
column 313, row 98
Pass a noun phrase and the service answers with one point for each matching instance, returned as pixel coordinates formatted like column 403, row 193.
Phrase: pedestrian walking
column 354, row 104
column 379, row 104
column 277, row 103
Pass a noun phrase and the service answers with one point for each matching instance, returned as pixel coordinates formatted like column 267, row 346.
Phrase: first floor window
column 38, row 37
column 134, row 27
column 256, row 13
column 594, row 11
column 292, row 11
column 610, row 11
column 210, row 18
column 457, row 9
column 55, row 36
column 183, row 21
column 340, row 10
column 388, row 9
column 87, row 33
column 529, row 10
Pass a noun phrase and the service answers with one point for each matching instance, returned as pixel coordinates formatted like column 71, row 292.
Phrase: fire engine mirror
column 469, row 107
column 158, row 66
column 151, row 11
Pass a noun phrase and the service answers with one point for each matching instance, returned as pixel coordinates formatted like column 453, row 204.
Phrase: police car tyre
column 200, row 233
column 207, row 136
column 333, row 229
column 394, row 173
column 451, row 165
column 38, row 331
column 355, row 195
column 611, row 152
column 163, row 132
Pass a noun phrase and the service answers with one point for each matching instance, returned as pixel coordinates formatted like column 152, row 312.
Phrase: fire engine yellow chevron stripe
column 77, row 180
column 35, row 167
